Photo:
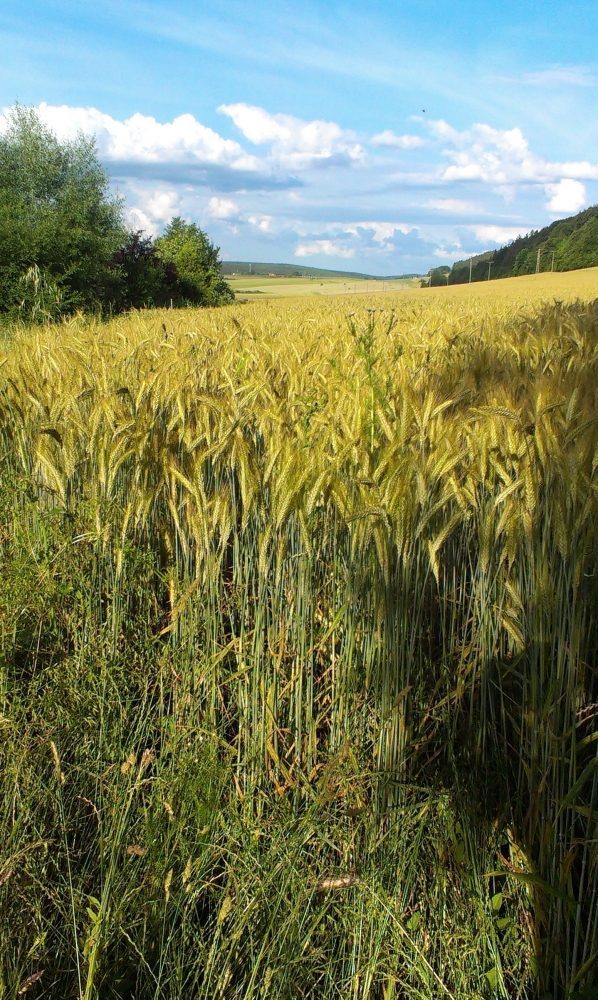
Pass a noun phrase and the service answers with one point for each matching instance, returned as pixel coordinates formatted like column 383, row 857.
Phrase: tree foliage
column 564, row 245
column 144, row 278
column 196, row 260
column 56, row 217
column 63, row 242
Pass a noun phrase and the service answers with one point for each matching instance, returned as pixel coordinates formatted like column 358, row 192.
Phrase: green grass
column 145, row 852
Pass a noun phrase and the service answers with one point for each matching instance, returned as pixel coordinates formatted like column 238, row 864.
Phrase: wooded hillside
column 564, row 245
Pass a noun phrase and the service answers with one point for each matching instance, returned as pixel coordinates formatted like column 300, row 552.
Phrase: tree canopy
column 564, row 245
column 64, row 245
column 197, row 263
column 59, row 226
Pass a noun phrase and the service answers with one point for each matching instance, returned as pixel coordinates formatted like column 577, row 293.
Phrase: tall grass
column 299, row 653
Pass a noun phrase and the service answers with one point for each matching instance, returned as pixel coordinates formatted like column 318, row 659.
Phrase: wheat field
column 298, row 649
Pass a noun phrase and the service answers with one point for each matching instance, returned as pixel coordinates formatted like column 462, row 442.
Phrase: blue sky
column 385, row 137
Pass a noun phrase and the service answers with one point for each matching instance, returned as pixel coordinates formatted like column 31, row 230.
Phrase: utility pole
column 470, row 267
column 552, row 265
column 490, row 263
column 538, row 262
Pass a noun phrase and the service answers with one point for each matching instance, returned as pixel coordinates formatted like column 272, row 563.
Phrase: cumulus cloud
column 262, row 222
column 141, row 138
column 497, row 234
column 295, row 143
column 443, row 254
column 222, row 208
column 391, row 140
column 361, row 236
column 154, row 209
column 327, row 248
column 381, row 230
column 181, row 151
column 500, row 157
column 381, row 234
column 566, row 196
column 373, row 214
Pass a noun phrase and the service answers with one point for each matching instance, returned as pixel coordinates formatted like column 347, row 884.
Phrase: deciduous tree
column 58, row 221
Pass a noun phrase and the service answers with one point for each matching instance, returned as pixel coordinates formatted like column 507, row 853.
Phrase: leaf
column 573, row 792
column 496, row 902
column 493, row 977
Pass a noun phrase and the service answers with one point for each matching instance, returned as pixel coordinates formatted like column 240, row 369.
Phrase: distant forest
column 562, row 246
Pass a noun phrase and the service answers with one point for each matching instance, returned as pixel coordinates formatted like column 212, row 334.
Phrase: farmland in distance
column 249, row 288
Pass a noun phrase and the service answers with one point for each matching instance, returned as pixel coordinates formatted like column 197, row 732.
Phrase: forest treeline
column 564, row 245
column 64, row 244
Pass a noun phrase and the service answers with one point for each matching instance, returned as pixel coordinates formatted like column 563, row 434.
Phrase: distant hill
column 564, row 245
column 242, row 267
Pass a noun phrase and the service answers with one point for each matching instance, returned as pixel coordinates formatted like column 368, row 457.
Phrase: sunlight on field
column 563, row 285
column 297, row 638
column 259, row 287
column 528, row 288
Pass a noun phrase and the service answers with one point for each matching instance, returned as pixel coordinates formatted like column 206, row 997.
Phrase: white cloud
column 261, row 222
column 500, row 157
column 325, row 247
column 497, row 234
column 364, row 236
column 154, row 209
column 581, row 169
column 247, row 194
column 142, row 139
column 222, row 208
column 562, row 76
column 294, row 142
column 455, row 205
column 566, row 197
column 138, row 219
column 393, row 141
column 486, row 154
column 381, row 231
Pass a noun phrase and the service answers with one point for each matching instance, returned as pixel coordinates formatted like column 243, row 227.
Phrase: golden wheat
column 371, row 521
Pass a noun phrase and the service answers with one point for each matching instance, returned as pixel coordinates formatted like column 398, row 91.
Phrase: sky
column 385, row 137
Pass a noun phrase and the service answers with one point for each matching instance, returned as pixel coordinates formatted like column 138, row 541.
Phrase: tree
column 523, row 262
column 59, row 226
column 197, row 264
column 579, row 248
column 438, row 275
column 146, row 279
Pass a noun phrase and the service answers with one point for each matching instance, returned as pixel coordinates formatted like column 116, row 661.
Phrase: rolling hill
column 230, row 267
column 564, row 245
